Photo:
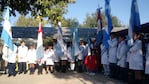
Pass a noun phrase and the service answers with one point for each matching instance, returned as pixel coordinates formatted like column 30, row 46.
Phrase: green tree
column 69, row 22
column 91, row 20
column 52, row 9
column 28, row 21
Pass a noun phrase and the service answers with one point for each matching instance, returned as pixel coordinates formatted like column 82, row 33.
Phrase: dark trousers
column 40, row 69
column 11, row 69
column 63, row 65
column 57, row 66
column 22, row 67
column 113, row 70
column 79, row 66
column 32, row 70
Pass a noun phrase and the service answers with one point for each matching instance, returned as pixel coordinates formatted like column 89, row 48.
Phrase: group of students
column 25, row 58
column 119, row 60
column 123, row 60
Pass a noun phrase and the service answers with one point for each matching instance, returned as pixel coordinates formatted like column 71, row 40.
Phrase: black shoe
column 20, row 73
column 9, row 75
column 25, row 72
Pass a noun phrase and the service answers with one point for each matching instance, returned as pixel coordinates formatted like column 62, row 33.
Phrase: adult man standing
column 22, row 54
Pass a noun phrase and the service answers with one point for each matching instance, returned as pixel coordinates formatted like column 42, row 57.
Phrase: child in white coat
column 136, row 58
column 49, row 59
column 31, row 58
column 104, row 60
column 121, row 57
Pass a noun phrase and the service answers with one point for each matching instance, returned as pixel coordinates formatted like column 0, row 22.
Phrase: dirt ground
column 58, row 78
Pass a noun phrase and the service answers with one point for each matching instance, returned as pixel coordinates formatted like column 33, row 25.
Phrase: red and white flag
column 40, row 43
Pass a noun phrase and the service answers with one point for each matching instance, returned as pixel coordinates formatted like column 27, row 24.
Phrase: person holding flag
column 61, row 49
column 40, row 49
column 6, row 37
column 135, row 54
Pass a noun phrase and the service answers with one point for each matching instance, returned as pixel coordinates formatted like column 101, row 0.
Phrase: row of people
column 121, row 57
column 52, row 58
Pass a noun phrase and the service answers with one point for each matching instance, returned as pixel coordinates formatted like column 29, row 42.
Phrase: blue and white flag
column 6, row 34
column 75, row 41
column 108, row 29
column 134, row 20
column 60, row 37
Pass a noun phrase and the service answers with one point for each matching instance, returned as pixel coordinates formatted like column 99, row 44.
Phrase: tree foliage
column 91, row 20
column 53, row 9
column 28, row 21
column 69, row 22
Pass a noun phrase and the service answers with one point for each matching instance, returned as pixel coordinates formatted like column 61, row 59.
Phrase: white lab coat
column 112, row 50
column 31, row 56
column 70, row 56
column 147, row 60
column 104, row 55
column 81, row 54
column 122, row 54
column 22, row 53
column 136, row 56
column 5, row 51
column 12, row 55
column 49, row 57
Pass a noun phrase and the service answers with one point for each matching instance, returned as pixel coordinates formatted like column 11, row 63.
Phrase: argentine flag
column 75, row 41
column 134, row 21
column 108, row 29
column 6, row 34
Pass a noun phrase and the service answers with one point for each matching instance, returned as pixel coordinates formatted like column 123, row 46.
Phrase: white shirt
column 12, row 55
column 49, row 57
column 136, row 56
column 112, row 50
column 22, row 53
column 104, row 55
column 31, row 56
column 122, row 54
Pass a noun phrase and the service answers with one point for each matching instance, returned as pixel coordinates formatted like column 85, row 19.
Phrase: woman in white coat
column 49, row 59
column 104, row 60
column 136, row 58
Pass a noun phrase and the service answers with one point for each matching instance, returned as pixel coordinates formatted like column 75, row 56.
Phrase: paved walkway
column 58, row 78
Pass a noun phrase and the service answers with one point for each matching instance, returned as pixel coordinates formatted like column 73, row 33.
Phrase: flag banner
column 75, row 41
column 39, row 50
column 107, row 30
column 134, row 20
column 99, row 29
column 60, row 38
column 6, row 34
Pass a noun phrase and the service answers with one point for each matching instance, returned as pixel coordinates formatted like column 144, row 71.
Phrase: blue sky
column 119, row 8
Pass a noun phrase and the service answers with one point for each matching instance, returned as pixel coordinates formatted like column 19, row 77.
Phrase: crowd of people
column 120, row 60
column 125, row 61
